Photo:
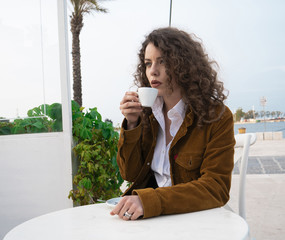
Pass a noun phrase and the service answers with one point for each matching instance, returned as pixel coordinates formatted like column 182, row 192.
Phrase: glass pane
column 29, row 60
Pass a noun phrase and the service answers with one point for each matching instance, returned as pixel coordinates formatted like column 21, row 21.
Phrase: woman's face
column 156, row 71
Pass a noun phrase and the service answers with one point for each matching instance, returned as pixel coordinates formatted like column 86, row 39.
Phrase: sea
column 261, row 127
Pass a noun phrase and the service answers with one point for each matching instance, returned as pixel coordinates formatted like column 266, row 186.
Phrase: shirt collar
column 157, row 106
column 177, row 113
column 179, row 108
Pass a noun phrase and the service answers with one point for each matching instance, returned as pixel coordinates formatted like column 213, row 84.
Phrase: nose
column 154, row 71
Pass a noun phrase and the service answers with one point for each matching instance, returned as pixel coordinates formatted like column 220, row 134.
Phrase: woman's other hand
column 131, row 108
column 130, row 205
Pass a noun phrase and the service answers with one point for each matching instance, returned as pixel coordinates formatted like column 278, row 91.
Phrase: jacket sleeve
column 210, row 190
column 129, row 152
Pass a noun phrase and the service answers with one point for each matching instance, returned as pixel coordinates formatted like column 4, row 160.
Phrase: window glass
column 29, row 60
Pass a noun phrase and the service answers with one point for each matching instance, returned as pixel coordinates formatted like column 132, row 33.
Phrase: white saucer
column 113, row 201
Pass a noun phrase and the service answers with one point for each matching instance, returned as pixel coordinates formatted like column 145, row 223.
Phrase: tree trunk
column 76, row 23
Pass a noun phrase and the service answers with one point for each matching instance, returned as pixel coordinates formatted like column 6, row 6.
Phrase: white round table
column 94, row 222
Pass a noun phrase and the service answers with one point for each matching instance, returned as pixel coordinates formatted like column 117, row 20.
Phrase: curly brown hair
column 190, row 67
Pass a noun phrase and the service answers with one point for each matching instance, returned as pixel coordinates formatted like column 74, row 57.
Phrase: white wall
column 35, row 177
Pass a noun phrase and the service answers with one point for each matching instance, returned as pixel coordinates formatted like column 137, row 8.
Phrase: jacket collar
column 189, row 118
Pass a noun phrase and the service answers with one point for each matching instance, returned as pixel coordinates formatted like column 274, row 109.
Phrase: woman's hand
column 131, row 108
column 130, row 204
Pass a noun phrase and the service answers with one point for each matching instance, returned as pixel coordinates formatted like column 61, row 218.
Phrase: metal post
column 263, row 103
column 170, row 13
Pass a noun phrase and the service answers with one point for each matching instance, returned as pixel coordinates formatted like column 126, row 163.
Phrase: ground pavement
column 265, row 191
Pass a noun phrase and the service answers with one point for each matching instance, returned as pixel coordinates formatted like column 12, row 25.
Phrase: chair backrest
column 243, row 143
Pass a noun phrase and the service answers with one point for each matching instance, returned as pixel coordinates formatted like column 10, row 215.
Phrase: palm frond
column 86, row 6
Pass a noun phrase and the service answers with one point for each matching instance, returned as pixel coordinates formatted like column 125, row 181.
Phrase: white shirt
column 160, row 162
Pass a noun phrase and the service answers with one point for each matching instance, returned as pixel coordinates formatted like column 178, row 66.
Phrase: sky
column 245, row 37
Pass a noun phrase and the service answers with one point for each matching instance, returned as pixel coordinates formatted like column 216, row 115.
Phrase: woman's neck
column 170, row 102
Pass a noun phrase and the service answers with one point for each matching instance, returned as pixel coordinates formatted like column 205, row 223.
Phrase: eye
column 147, row 64
column 161, row 61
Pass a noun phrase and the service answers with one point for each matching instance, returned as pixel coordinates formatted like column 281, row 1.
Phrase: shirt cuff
column 150, row 201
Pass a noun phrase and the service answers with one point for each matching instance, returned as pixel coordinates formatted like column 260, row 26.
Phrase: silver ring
column 128, row 215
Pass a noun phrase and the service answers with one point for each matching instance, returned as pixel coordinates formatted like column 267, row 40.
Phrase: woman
column 179, row 153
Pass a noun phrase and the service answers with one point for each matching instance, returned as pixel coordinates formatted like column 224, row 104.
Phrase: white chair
column 243, row 143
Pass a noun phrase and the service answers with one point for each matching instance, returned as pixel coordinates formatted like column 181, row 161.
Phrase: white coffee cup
column 147, row 96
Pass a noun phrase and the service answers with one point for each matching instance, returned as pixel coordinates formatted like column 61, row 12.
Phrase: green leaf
column 54, row 111
column 18, row 130
column 76, row 115
column 36, row 111
column 25, row 122
column 5, row 130
column 76, row 130
column 94, row 114
column 30, row 113
column 106, row 133
column 75, row 106
column 85, row 134
column 90, row 167
column 38, row 124
column 86, row 183
column 114, row 161
column 57, row 125
column 86, row 122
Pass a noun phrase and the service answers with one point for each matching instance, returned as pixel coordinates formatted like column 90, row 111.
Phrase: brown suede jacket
column 201, row 163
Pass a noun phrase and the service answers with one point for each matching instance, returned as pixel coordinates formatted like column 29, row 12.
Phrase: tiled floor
column 264, row 165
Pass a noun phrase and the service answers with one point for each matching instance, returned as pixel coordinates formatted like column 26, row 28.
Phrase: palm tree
column 80, row 7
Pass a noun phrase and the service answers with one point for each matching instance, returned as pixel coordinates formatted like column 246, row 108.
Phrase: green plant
column 53, row 111
column 5, row 128
column 37, row 122
column 98, row 176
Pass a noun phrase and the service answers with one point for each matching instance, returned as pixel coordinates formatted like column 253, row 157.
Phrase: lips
column 155, row 83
